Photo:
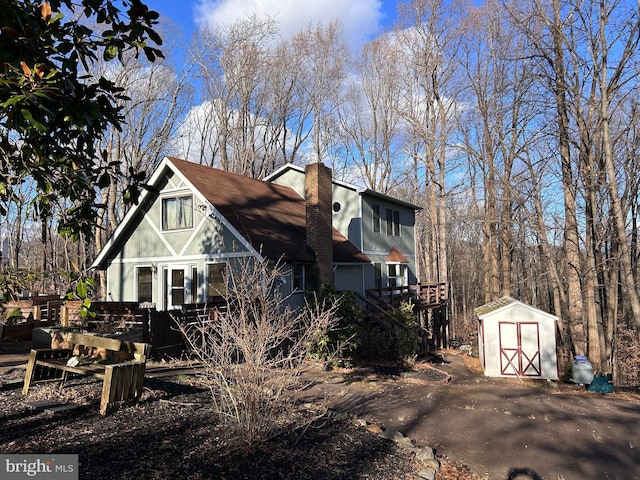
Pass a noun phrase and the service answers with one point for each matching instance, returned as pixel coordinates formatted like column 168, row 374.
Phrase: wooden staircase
column 429, row 301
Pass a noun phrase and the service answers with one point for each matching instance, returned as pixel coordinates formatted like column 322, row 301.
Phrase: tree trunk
column 626, row 270
column 571, row 239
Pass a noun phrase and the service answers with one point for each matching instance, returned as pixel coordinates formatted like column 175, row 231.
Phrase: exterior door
column 176, row 292
column 519, row 349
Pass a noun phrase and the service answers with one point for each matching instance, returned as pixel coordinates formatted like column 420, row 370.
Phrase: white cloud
column 361, row 19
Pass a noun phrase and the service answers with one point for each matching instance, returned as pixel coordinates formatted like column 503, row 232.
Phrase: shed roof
column 504, row 303
column 494, row 305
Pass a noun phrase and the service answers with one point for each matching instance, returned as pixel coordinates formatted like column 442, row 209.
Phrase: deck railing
column 423, row 295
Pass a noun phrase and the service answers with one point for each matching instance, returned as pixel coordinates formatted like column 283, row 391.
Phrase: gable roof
column 271, row 217
column 504, row 303
column 493, row 306
column 396, row 256
column 360, row 190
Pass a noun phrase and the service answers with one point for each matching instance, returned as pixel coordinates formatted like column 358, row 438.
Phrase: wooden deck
column 425, row 296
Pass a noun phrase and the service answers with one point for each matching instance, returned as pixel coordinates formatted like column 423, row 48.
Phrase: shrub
column 393, row 338
column 405, row 334
column 345, row 336
column 251, row 353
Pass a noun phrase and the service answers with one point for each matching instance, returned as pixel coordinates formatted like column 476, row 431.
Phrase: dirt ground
column 173, row 433
column 481, row 428
column 499, row 427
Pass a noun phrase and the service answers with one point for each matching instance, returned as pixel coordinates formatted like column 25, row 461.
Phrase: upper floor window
column 177, row 212
column 393, row 222
column 396, row 223
column 376, row 218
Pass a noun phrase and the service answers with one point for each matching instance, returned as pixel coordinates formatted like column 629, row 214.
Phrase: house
column 380, row 226
column 174, row 247
column 517, row 340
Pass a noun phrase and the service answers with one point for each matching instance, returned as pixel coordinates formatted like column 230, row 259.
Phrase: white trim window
column 177, row 212
column 396, row 274
column 393, row 222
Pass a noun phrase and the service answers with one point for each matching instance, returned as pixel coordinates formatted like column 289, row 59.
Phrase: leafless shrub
column 627, row 357
column 251, row 353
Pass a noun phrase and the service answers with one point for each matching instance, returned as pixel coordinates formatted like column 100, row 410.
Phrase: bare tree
column 544, row 24
column 246, row 113
column 291, row 110
column 370, row 119
column 495, row 130
column 625, row 39
column 430, row 42
column 323, row 55
column 588, row 56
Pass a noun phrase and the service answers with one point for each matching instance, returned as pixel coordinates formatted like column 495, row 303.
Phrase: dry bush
column 627, row 357
column 251, row 352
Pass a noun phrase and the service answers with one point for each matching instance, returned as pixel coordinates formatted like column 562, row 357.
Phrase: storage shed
column 517, row 340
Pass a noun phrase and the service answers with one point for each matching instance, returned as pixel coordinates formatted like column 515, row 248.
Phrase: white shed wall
column 521, row 323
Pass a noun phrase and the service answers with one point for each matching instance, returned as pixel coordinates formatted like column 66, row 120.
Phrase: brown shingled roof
column 271, row 217
column 396, row 256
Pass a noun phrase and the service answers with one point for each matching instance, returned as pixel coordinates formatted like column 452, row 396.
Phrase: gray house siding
column 349, row 277
column 291, row 177
column 193, row 249
column 354, row 219
column 348, row 217
column 378, row 244
column 346, row 200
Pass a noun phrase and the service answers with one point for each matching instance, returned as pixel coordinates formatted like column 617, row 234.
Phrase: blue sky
column 361, row 19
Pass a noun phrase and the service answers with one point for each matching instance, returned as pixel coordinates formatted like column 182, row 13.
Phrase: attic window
column 336, row 207
column 177, row 212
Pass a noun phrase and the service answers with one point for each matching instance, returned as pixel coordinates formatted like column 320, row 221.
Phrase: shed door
column 519, row 349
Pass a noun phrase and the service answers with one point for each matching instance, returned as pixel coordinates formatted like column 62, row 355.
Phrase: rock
column 425, row 455
column 392, row 435
column 406, row 442
column 426, row 474
column 361, row 423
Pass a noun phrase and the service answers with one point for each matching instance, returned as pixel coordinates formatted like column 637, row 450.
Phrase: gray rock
column 392, row 435
column 424, row 455
column 426, row 474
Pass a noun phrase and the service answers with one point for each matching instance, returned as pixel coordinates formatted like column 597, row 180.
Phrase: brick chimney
column 317, row 188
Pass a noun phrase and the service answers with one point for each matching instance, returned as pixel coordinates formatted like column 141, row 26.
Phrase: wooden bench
column 120, row 364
